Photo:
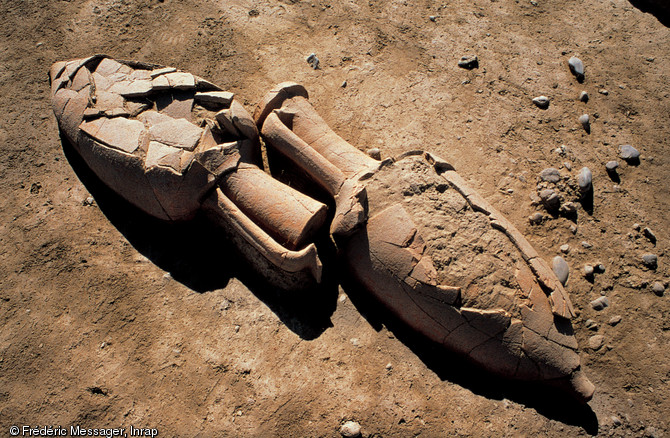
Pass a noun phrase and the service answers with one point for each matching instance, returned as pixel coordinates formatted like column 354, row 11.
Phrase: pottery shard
column 181, row 81
column 160, row 83
column 161, row 71
column 243, row 120
column 161, row 154
column 179, row 133
column 491, row 322
column 556, row 360
column 108, row 66
column 150, row 118
column 216, row 98
column 136, row 88
column 225, row 120
column 119, row 133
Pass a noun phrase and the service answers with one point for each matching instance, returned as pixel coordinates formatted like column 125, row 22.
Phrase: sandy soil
column 112, row 319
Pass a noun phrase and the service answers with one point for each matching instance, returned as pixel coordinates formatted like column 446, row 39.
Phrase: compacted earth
column 112, row 319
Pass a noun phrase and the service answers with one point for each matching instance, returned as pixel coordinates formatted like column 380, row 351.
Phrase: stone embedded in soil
column 313, row 61
column 585, row 121
column 469, row 62
column 588, row 271
column 550, row 174
column 596, row 342
column 350, row 429
column 650, row 260
column 375, row 153
column 576, row 67
column 600, row 303
column 649, row 234
column 586, row 244
column 536, row 219
column 616, row 319
column 541, row 102
column 569, row 208
column 611, row 166
column 658, row 288
column 628, row 152
column 561, row 269
column 584, row 179
column 550, row 199
column 603, row 92
column 584, row 96
column 565, row 248
column 591, row 324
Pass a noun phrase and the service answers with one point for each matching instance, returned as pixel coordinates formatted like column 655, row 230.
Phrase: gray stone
column 313, row 61
column 550, row 199
column 350, row 429
column 616, row 420
column 576, row 67
column 588, row 270
column 611, row 166
column 561, row 269
column 600, row 303
column 649, row 234
column 658, row 288
column 600, row 268
column 565, row 248
column 584, row 179
column 584, row 96
column 550, row 174
column 616, row 319
column 469, row 62
column 541, row 102
column 650, row 260
column 603, row 92
column 628, row 152
column 375, row 153
column 591, row 324
column 586, row 244
column 536, row 218
column 596, row 342
column 585, row 121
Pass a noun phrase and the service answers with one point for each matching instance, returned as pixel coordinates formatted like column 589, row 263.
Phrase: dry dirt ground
column 113, row 319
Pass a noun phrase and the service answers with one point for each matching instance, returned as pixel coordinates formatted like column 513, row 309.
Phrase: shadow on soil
column 198, row 255
column 655, row 7
column 546, row 400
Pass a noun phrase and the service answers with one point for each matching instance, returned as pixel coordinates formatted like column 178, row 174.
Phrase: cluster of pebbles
column 564, row 194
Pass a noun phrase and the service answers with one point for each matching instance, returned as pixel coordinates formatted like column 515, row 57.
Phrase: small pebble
column 541, row 102
column 637, row 227
column 561, row 269
column 389, row 366
column 536, row 218
column 585, row 122
column 586, row 244
column 469, row 62
column 576, row 67
column 591, row 324
column 611, row 166
column 550, row 174
column 344, row 84
column 658, row 288
column 567, row 165
column 89, row 201
column 584, row 96
column 603, row 92
column 584, row 179
column 350, row 429
column 628, row 152
column 600, row 303
column 600, row 268
column 432, row 18
column 649, row 234
column 616, row 319
column 650, row 260
column 313, row 61
column 375, row 153
column 596, row 341
column 616, row 420
column 573, row 229
column 565, row 248
column 588, row 271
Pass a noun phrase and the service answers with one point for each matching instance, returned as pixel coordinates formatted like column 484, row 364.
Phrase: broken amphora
column 409, row 230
